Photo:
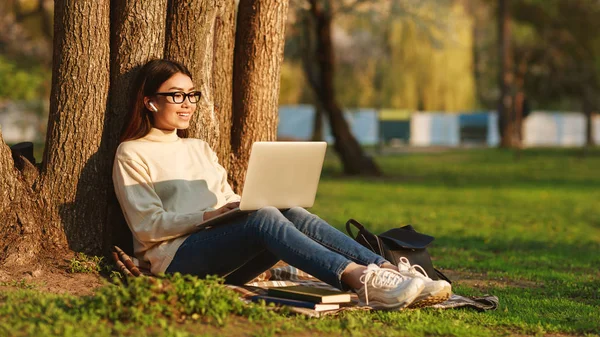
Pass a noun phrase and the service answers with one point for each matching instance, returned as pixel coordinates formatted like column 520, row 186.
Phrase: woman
column 167, row 183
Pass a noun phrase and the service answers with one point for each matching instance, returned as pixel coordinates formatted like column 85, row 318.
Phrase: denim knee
column 268, row 211
column 266, row 215
column 298, row 212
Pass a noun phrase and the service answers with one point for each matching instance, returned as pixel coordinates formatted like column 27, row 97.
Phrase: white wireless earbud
column 152, row 107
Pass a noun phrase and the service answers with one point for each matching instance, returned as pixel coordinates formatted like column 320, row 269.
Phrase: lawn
column 526, row 230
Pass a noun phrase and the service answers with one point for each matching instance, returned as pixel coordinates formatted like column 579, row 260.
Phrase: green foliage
column 559, row 48
column 150, row 300
column 291, row 84
column 429, row 67
column 143, row 303
column 417, row 60
column 18, row 83
column 82, row 263
column 22, row 284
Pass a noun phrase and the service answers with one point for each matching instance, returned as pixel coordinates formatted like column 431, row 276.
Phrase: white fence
column 296, row 122
column 444, row 129
column 434, row 128
column 552, row 129
column 541, row 128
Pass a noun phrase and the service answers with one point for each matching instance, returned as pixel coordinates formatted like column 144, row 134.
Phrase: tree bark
column 505, row 78
column 351, row 154
column 21, row 224
column 257, row 64
column 189, row 40
column 222, row 74
column 137, row 36
column 75, row 168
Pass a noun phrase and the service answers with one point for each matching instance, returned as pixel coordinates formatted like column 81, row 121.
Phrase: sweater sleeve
column 226, row 189
column 142, row 207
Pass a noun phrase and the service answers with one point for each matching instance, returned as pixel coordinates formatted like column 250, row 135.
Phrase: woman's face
column 171, row 115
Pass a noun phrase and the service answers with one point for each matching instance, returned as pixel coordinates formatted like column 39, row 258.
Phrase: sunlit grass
column 527, row 231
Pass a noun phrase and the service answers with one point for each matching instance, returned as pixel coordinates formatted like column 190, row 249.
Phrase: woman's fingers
column 230, row 206
column 223, row 209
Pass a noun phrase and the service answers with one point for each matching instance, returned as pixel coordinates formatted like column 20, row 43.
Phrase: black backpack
column 396, row 243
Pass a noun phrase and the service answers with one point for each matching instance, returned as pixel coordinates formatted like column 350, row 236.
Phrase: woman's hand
column 228, row 207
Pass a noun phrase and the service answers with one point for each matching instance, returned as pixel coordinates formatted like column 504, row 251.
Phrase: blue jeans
column 247, row 246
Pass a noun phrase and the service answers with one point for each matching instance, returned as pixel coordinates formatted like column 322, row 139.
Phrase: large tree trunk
column 75, row 169
column 222, row 74
column 257, row 63
column 65, row 205
column 351, row 154
column 505, row 78
column 132, row 21
column 70, row 202
column 189, row 40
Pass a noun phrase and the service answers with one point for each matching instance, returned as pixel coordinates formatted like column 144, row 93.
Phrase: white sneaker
column 387, row 289
column 434, row 292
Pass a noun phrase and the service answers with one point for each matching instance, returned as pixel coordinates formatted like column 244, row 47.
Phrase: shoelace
column 379, row 278
column 415, row 269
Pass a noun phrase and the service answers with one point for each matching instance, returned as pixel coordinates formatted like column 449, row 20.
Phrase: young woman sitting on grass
column 167, row 184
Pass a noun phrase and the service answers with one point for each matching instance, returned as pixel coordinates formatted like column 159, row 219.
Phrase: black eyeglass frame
column 190, row 95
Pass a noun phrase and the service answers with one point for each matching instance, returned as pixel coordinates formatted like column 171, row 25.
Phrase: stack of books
column 305, row 297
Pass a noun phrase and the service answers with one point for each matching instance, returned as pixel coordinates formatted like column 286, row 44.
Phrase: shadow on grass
column 458, row 180
column 562, row 168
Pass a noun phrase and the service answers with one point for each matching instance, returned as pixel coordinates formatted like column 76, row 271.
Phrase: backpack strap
column 365, row 238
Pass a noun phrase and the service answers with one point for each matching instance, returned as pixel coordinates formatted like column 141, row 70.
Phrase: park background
column 514, row 208
column 412, row 72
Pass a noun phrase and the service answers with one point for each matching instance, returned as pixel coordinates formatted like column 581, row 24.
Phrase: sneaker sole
column 440, row 296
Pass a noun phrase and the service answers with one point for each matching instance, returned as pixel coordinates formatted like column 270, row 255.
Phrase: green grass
column 82, row 263
column 527, row 231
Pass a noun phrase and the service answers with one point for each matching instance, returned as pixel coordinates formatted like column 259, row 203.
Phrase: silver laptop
column 280, row 174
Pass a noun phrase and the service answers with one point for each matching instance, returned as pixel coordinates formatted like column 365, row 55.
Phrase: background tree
column 552, row 59
column 319, row 67
column 557, row 63
column 505, row 75
column 427, row 61
column 68, row 202
column 387, row 54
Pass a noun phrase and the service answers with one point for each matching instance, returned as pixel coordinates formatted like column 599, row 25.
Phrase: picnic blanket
column 283, row 275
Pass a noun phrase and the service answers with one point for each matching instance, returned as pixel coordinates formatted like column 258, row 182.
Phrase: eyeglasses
column 178, row 97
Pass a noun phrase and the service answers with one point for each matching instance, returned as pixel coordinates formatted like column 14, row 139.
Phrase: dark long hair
column 150, row 77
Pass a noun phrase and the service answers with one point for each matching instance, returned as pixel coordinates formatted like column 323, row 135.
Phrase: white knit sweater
column 164, row 185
